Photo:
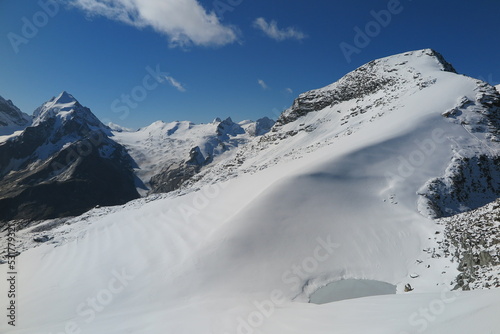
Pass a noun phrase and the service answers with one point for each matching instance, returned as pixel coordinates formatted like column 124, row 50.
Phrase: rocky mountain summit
column 380, row 75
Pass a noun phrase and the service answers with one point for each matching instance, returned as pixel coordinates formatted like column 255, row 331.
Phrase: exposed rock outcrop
column 473, row 240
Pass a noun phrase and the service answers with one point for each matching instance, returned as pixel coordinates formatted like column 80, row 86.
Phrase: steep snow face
column 498, row 88
column 11, row 118
column 329, row 194
column 164, row 147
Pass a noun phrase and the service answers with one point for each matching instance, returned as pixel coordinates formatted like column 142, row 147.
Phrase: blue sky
column 137, row 61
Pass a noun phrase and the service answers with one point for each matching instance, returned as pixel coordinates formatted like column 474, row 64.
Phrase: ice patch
column 349, row 289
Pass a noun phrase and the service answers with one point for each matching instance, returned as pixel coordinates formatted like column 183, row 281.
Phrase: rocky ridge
column 10, row 115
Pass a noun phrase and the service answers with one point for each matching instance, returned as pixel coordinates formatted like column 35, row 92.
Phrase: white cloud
column 271, row 30
column 289, row 90
column 184, row 22
column 174, row 83
column 262, row 84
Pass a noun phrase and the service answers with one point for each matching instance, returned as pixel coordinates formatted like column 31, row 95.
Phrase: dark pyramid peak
column 228, row 127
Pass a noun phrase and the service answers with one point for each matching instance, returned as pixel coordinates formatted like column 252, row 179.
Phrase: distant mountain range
column 63, row 161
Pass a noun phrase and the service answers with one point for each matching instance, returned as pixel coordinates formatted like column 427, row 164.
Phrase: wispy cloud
column 184, row 22
column 262, row 84
column 271, row 30
column 289, row 90
column 174, row 83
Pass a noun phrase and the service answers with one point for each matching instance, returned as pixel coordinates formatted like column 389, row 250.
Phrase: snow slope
column 321, row 198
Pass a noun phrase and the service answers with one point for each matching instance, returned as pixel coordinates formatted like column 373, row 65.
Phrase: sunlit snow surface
column 244, row 253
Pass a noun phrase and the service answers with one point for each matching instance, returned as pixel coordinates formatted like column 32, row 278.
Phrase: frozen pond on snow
column 351, row 288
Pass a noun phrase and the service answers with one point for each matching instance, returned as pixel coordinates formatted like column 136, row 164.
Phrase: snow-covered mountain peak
column 65, row 107
column 424, row 60
column 63, row 102
column 64, row 97
column 66, row 144
column 61, row 121
column 384, row 79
